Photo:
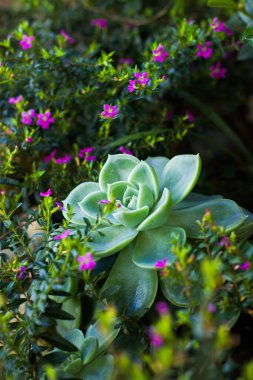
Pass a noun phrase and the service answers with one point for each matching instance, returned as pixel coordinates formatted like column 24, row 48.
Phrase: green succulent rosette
column 155, row 203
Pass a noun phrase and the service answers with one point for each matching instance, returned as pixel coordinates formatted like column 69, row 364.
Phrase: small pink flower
column 219, row 26
column 67, row 37
column 190, row 117
column 28, row 116
column 211, row 308
column 224, row 242
column 126, row 61
column 26, row 42
column 161, row 263
column 245, row 266
column 155, row 339
column 104, row 202
column 47, row 193
column 90, row 158
column 60, row 206
column 21, row 273
column 132, row 85
column 45, row 119
column 86, row 261
column 83, row 152
column 205, row 51
column 15, row 100
column 101, row 23
column 142, row 78
column 63, row 160
column 48, row 158
column 160, row 54
column 29, row 139
column 125, row 151
column 217, row 72
column 162, row 307
column 109, row 111
column 63, row 235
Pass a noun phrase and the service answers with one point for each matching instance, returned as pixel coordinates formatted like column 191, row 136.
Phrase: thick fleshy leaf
column 104, row 338
column 116, row 190
column 117, row 168
column 89, row 205
column 109, row 240
column 246, row 228
column 180, row 175
column 225, row 213
column 76, row 337
column 99, row 369
column 158, row 163
column 131, row 218
column 194, row 199
column 135, row 287
column 159, row 214
column 145, row 174
column 76, row 196
column 72, row 306
column 145, row 197
column 155, row 245
column 130, row 193
column 89, row 349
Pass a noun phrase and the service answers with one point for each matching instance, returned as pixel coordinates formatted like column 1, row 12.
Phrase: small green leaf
column 104, row 338
column 99, row 369
column 89, row 349
column 58, row 341
column 145, row 174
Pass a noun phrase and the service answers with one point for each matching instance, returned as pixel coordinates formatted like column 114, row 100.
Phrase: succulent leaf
column 131, row 218
column 145, row 174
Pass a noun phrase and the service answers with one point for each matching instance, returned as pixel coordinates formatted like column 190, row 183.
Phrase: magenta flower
column 90, row 158
column 45, row 119
column 28, row 116
column 104, row 202
column 125, row 151
column 219, row 26
column 109, row 111
column 126, row 61
column 29, row 139
column 245, row 266
column 211, row 308
column 162, row 307
column 161, row 263
column 160, row 54
column 46, row 194
column 224, row 242
column 217, row 72
column 15, row 100
column 48, row 158
column 205, row 51
column 84, row 151
column 101, row 23
column 155, row 339
column 63, row 160
column 26, row 42
column 63, row 235
column 142, row 78
column 86, row 261
column 21, row 273
column 132, row 85
column 60, row 206
column 67, row 37
column 190, row 117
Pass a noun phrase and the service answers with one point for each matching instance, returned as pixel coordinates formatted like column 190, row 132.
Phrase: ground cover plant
column 119, row 256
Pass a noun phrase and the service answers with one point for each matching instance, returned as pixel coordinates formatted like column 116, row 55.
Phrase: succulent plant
column 142, row 205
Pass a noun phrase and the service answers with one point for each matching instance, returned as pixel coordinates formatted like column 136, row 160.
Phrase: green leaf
column 194, row 199
column 222, row 4
column 59, row 342
column 154, row 245
column 131, row 218
column 89, row 205
column 135, row 287
column 112, row 240
column 59, row 314
column 144, row 174
column 75, row 337
column 158, row 164
column 245, row 230
column 54, row 358
column 74, row 307
column 99, row 369
column 145, row 197
column 76, row 196
column 159, row 214
column 89, row 349
column 116, row 190
column 117, row 168
column 104, row 338
column 225, row 213
column 180, row 175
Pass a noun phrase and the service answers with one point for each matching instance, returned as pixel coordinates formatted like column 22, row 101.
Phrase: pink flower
column 162, row 307
column 83, row 152
column 29, row 139
column 47, row 193
column 109, row 111
column 67, row 37
column 90, row 158
column 21, row 273
column 132, row 85
column 155, row 339
column 26, row 42
column 28, row 116
column 224, row 242
column 219, row 26
column 126, row 61
column 60, row 206
column 63, row 235
column 218, row 72
column 86, row 261
column 15, row 100
column 190, row 117
column 125, row 151
column 104, row 202
column 205, row 51
column 50, row 157
column 245, row 266
column 211, row 308
column 101, row 23
column 45, row 119
column 142, row 78
column 161, row 263
column 160, row 54
column 63, row 160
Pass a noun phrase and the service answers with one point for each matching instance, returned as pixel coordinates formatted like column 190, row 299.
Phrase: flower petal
column 131, row 218
column 117, row 168
column 76, row 196
column 132, row 298
column 180, row 175
column 154, row 245
column 109, row 240
column 89, row 204
column 145, row 174
column 225, row 213
column 159, row 214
